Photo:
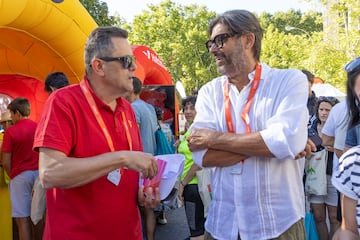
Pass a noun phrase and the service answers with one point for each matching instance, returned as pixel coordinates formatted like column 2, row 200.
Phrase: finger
column 141, row 197
column 148, row 197
column 155, row 201
column 145, row 173
column 312, row 145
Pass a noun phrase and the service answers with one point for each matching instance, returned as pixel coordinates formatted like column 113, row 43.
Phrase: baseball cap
column 174, row 167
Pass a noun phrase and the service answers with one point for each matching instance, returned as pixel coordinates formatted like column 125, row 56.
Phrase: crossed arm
column 233, row 147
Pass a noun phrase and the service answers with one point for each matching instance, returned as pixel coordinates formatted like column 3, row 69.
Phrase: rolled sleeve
column 285, row 133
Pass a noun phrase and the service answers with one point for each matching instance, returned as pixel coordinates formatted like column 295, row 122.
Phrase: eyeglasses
column 352, row 65
column 219, row 40
column 332, row 100
column 126, row 61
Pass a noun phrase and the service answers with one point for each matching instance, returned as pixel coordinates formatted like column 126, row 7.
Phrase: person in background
column 188, row 189
column 312, row 97
column 6, row 122
column 54, row 81
column 251, row 124
column 165, row 127
column 147, row 122
column 353, row 101
column 91, row 170
column 325, row 205
column 347, row 182
column 21, row 164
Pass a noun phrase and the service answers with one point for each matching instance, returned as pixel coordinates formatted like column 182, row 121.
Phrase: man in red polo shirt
column 90, row 148
column 21, row 163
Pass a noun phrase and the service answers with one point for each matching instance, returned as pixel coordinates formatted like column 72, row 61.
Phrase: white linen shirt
column 268, row 197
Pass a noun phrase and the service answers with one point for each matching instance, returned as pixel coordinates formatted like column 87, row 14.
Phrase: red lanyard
column 245, row 112
column 100, row 120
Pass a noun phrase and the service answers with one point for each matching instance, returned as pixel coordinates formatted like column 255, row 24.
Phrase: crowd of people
column 255, row 126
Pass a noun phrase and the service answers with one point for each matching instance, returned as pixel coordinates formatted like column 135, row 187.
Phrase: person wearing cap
column 90, row 148
column 54, row 81
column 5, row 122
column 21, row 163
column 251, row 126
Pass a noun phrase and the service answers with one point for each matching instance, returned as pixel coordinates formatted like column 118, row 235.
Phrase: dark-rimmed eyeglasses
column 126, row 61
column 219, row 40
column 352, row 65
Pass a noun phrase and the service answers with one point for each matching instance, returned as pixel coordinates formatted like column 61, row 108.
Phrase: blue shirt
column 147, row 121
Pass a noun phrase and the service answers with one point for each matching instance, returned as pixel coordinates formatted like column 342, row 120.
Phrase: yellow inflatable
column 38, row 37
column 41, row 36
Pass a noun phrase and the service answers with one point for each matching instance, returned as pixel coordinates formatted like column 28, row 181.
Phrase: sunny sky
column 134, row 7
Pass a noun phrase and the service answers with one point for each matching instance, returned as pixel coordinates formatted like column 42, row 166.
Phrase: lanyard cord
column 245, row 112
column 100, row 120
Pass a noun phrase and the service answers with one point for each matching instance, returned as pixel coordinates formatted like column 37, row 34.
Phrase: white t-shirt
column 336, row 126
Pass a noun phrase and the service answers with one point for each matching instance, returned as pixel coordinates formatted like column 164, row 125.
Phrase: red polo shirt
column 18, row 141
column 98, row 210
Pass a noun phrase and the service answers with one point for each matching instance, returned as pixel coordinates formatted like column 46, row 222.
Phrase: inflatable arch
column 41, row 36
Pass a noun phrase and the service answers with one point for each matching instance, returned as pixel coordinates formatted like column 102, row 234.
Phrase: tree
column 99, row 11
column 177, row 34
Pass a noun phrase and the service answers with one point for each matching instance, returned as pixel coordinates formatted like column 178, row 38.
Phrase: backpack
column 162, row 144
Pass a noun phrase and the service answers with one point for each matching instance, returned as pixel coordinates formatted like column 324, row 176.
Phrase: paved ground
column 176, row 228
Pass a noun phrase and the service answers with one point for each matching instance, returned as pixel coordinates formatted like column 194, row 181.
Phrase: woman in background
column 320, row 204
column 188, row 191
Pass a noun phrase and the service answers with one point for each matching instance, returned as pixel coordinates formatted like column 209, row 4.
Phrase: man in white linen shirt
column 261, row 197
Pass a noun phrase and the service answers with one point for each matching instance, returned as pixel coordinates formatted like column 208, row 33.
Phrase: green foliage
column 99, row 11
column 177, row 34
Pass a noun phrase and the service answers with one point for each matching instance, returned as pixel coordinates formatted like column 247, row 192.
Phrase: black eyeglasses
column 219, row 40
column 126, row 61
column 352, row 65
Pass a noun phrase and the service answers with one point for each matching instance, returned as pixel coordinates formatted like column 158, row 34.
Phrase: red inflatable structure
column 150, row 70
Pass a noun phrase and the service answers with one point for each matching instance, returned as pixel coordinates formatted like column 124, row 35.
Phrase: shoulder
column 290, row 74
column 350, row 157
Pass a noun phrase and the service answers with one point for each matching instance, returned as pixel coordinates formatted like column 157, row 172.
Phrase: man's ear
column 249, row 40
column 97, row 66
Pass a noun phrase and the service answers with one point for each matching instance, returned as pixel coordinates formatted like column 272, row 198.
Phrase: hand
column 181, row 192
column 200, row 138
column 141, row 162
column 147, row 199
column 308, row 151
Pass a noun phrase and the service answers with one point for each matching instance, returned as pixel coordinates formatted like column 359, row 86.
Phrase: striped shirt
column 346, row 177
column 268, row 197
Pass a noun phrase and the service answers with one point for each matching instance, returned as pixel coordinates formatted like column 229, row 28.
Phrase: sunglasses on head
column 219, row 40
column 328, row 99
column 126, row 61
column 351, row 66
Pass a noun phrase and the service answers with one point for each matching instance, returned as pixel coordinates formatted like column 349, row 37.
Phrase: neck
column 104, row 94
column 242, row 78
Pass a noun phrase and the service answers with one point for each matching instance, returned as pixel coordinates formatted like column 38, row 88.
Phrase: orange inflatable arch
column 38, row 37
column 42, row 36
